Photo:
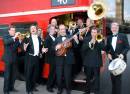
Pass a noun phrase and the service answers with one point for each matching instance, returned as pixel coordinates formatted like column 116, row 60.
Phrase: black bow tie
column 115, row 35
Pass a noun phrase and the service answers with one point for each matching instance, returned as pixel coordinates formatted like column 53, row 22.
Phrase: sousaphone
column 97, row 10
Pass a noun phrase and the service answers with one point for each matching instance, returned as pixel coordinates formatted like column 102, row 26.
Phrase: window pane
column 3, row 30
column 23, row 27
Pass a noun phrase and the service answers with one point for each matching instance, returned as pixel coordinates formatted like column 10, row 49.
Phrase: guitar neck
column 71, row 38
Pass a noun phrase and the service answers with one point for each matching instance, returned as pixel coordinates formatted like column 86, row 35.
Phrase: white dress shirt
column 36, row 45
column 63, row 38
column 114, row 40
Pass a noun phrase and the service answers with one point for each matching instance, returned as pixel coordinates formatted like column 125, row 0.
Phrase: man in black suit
column 86, row 32
column 50, row 55
column 33, row 47
column 117, row 46
column 92, row 61
column 11, row 44
column 64, row 63
column 77, row 54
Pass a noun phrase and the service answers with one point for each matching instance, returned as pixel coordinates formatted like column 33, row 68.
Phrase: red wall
column 9, row 6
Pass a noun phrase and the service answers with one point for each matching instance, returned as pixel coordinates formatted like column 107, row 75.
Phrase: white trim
column 45, row 11
column 80, row 81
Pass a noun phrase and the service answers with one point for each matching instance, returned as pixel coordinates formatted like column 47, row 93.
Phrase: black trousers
column 52, row 74
column 93, row 79
column 63, row 72
column 31, row 71
column 116, row 84
column 77, row 67
column 9, row 76
column 40, row 78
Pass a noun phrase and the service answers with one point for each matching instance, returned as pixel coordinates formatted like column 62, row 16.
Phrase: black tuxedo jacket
column 49, row 43
column 92, row 57
column 30, row 48
column 69, row 58
column 10, row 49
column 122, row 46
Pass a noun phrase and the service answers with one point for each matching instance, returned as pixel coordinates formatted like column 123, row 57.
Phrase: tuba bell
column 97, row 10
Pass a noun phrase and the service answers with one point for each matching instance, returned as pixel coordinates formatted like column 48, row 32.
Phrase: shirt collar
column 34, row 36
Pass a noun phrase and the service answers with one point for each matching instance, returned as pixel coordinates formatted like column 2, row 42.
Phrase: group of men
column 83, row 47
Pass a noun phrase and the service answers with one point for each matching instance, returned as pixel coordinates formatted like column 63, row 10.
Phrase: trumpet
column 22, row 36
column 99, row 37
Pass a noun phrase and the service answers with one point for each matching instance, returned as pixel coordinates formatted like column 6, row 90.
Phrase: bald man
column 117, row 46
column 64, row 63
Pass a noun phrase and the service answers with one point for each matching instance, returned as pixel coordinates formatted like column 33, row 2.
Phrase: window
column 23, row 27
column 3, row 30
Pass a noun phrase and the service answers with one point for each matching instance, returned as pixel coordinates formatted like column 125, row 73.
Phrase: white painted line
column 44, row 11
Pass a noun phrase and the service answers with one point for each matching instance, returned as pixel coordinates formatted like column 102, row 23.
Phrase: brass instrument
column 72, row 25
column 99, row 37
column 84, row 30
column 23, row 35
column 97, row 10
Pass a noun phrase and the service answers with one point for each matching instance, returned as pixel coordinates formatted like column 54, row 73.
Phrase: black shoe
column 86, row 93
column 97, row 92
column 68, row 92
column 14, row 90
column 35, row 89
column 50, row 90
column 59, row 92
column 29, row 92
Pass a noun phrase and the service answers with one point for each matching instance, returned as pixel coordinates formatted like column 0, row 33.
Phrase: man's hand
column 121, row 56
column 81, row 37
column 75, row 37
column 17, row 34
column 25, row 46
column 110, row 56
column 58, row 46
column 44, row 50
column 93, row 41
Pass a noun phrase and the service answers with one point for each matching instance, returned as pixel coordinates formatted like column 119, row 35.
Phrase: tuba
column 97, row 10
column 72, row 25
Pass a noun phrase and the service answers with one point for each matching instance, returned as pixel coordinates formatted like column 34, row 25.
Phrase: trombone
column 99, row 37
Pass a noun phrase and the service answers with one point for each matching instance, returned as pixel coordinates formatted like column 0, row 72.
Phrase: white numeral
column 62, row 1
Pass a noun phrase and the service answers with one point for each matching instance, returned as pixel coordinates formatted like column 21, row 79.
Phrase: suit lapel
column 111, row 43
column 40, row 42
column 50, row 38
column 118, row 38
column 32, row 45
column 60, row 39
